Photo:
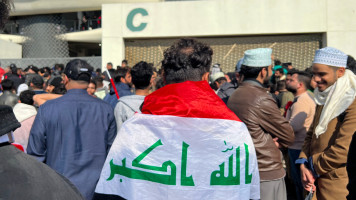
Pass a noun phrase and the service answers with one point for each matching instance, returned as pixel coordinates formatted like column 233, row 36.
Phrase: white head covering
column 260, row 57
column 215, row 76
column 330, row 56
column 22, row 87
column 338, row 97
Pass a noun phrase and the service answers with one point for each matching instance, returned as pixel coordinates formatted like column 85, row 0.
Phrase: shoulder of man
column 127, row 102
column 306, row 98
column 106, row 105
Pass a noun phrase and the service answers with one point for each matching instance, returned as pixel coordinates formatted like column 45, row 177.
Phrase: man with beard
column 123, row 82
column 324, row 153
column 300, row 115
column 259, row 111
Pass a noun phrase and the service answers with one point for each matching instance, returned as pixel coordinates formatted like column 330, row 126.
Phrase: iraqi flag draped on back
column 186, row 144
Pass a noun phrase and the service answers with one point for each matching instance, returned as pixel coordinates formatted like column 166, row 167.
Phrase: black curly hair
column 187, row 59
column 26, row 97
column 5, row 7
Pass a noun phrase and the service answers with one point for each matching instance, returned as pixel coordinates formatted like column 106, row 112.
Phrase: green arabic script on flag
column 217, row 177
column 167, row 157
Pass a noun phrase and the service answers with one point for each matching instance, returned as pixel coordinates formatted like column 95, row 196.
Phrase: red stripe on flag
column 189, row 99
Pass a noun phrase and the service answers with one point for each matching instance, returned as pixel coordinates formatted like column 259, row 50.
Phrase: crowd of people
column 71, row 118
column 74, row 133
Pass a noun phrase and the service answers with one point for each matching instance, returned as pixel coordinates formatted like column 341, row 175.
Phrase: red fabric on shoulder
column 188, row 99
column 19, row 146
column 288, row 105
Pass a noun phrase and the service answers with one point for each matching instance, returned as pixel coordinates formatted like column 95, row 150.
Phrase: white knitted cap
column 330, row 56
column 260, row 57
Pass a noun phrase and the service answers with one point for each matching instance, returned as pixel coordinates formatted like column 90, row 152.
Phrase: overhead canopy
column 13, row 38
column 35, row 7
column 91, row 36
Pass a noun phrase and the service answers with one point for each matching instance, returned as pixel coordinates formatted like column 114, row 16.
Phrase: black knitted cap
column 8, row 121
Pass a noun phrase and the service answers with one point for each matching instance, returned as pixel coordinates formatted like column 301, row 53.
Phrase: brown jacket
column 329, row 153
column 259, row 111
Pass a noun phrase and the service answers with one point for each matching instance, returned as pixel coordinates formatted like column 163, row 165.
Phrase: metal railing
column 49, row 62
column 17, row 28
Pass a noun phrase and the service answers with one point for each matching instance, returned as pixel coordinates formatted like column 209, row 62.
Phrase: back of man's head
column 250, row 72
column 78, row 70
column 254, row 61
column 13, row 69
column 141, row 75
column 121, row 73
column 304, row 77
column 26, row 97
column 37, row 82
column 186, row 60
column 99, row 81
column 32, row 69
column 281, row 85
column 59, row 67
column 7, row 85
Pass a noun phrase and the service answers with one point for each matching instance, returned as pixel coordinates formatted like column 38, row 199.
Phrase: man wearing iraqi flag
column 186, row 144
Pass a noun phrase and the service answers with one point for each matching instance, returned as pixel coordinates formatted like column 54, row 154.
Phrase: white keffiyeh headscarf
column 336, row 99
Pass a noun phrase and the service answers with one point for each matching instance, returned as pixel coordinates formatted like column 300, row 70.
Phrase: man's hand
column 307, row 178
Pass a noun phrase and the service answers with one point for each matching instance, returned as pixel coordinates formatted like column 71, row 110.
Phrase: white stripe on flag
column 168, row 157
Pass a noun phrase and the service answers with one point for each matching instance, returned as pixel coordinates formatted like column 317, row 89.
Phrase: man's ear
column 152, row 79
column 205, row 77
column 263, row 72
column 340, row 72
column 301, row 84
column 65, row 79
column 122, row 80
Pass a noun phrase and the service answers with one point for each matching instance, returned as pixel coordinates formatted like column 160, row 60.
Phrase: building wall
column 227, row 18
column 341, row 25
column 10, row 50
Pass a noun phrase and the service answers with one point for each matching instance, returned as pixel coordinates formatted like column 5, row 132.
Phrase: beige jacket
column 300, row 116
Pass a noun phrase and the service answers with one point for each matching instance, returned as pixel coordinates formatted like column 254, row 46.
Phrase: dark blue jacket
column 122, row 88
column 73, row 135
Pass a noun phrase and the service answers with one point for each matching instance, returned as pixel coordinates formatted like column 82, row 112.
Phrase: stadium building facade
column 45, row 32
